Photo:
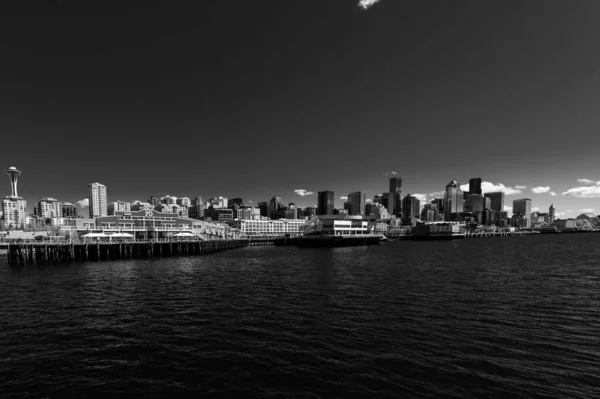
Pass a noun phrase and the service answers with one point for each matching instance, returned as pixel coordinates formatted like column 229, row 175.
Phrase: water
column 497, row 317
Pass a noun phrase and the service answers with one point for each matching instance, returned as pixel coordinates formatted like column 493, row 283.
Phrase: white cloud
column 520, row 187
column 588, row 210
column 487, row 187
column 344, row 197
column 365, row 4
column 301, row 192
column 392, row 173
column 535, row 209
column 420, row 197
column 436, row 194
column 368, row 200
column 585, row 181
column 507, row 208
column 250, row 202
column 84, row 203
column 464, row 187
column 584, row 192
column 540, row 190
column 552, row 193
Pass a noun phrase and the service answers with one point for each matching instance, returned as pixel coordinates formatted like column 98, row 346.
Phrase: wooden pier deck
column 23, row 254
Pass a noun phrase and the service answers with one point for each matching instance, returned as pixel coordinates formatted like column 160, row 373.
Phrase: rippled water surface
column 497, row 317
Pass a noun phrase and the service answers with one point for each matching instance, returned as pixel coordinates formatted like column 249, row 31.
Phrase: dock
column 40, row 253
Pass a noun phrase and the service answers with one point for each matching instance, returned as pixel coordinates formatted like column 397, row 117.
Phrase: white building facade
column 98, row 200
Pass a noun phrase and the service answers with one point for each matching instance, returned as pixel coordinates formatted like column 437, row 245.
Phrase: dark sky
column 259, row 98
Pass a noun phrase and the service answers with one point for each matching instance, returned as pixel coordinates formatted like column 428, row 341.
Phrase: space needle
column 13, row 173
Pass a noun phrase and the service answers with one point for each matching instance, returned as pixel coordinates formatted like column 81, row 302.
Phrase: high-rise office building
column 453, row 201
column 523, row 207
column 154, row 201
column 264, row 208
column 325, row 203
column 98, row 200
column 48, row 208
column 14, row 208
column 410, row 209
column 475, row 186
column 357, row 201
column 275, row 204
column 496, row 201
column 551, row 213
column 474, row 203
column 395, row 196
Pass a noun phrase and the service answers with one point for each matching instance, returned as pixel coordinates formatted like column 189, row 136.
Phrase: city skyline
column 311, row 198
column 445, row 89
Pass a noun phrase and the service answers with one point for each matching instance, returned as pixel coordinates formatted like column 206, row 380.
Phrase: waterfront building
column 410, row 210
column 68, row 210
column 474, row 203
column 565, row 224
column 379, row 211
column 14, row 208
column 118, row 206
column 269, row 228
column 551, row 213
column 394, row 203
column 339, row 225
column 475, row 186
column 48, row 208
column 439, row 230
column 502, row 220
column 325, row 203
column 184, row 201
column 357, row 201
column 496, row 201
column 453, row 201
column 98, row 200
column 489, row 217
column 523, row 207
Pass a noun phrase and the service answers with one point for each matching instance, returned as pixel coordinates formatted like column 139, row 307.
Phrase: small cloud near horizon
column 392, row 173
column 588, row 210
column 344, row 197
column 84, row 203
column 520, row 187
column 535, row 209
column 301, row 192
column 366, row 4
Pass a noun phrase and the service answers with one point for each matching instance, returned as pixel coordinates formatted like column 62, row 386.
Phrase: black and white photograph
column 299, row 199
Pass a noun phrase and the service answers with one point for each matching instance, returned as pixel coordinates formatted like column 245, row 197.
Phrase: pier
column 23, row 254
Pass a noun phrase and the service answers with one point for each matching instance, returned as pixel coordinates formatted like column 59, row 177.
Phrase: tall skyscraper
column 411, row 207
column 453, row 201
column 48, row 208
column 14, row 208
column 325, row 203
column 523, row 207
column 154, row 201
column 395, row 196
column 496, row 200
column 98, row 200
column 551, row 214
column 275, row 204
column 474, row 203
column 475, row 186
column 357, row 203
